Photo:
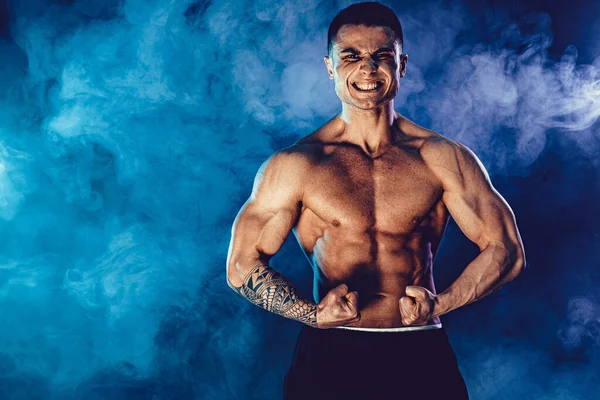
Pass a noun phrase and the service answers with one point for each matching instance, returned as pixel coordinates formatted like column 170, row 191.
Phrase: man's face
column 366, row 65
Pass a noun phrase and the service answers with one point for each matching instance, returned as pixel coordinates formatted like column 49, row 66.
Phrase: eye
column 351, row 57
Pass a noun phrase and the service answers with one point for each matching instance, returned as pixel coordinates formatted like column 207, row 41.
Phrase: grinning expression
column 366, row 65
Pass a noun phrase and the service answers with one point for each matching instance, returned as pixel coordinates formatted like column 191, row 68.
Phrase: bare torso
column 374, row 223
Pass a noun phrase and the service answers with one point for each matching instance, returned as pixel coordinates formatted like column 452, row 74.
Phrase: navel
column 335, row 223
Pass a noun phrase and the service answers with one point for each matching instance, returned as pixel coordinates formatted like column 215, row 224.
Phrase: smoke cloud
column 130, row 133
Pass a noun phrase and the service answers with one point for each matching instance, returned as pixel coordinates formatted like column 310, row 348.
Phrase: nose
column 369, row 66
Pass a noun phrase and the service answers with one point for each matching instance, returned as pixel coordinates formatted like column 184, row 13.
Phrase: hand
column 416, row 308
column 338, row 308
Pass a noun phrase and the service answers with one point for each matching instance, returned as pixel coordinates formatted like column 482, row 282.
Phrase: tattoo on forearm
column 268, row 289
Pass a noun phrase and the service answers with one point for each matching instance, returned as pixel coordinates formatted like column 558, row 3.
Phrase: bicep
column 265, row 220
column 479, row 210
column 255, row 237
column 481, row 214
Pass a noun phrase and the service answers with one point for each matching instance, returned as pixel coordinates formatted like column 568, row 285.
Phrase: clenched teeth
column 367, row 86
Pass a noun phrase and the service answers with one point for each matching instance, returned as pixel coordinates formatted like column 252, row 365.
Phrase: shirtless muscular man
column 368, row 196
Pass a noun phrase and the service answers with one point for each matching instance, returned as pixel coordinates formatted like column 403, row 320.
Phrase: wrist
column 312, row 316
column 441, row 304
column 318, row 309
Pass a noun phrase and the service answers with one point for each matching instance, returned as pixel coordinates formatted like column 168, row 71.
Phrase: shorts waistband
column 399, row 329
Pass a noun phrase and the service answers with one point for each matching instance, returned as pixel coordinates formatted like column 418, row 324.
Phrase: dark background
column 130, row 133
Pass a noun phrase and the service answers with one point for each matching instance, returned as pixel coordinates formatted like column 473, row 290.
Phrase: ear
column 329, row 66
column 403, row 62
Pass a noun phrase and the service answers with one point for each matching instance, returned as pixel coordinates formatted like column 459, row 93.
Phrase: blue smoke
column 130, row 132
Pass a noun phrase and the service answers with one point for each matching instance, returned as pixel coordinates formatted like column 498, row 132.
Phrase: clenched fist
column 416, row 308
column 338, row 308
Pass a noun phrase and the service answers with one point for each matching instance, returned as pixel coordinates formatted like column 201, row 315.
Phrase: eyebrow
column 353, row 50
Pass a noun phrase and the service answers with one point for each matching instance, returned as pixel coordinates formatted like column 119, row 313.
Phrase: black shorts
column 345, row 364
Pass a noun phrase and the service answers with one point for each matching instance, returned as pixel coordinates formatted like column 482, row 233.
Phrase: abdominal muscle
column 378, row 267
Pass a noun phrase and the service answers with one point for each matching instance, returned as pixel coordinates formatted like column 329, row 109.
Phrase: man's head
column 369, row 14
column 365, row 57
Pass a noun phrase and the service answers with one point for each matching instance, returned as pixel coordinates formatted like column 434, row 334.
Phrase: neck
column 369, row 129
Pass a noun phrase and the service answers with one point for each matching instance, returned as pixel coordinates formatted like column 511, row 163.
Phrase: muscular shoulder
column 281, row 177
column 292, row 159
column 452, row 162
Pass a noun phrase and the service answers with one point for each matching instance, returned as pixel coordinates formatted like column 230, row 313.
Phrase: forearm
column 266, row 288
column 495, row 266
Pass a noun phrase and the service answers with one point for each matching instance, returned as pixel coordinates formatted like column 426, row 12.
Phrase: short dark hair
column 369, row 13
